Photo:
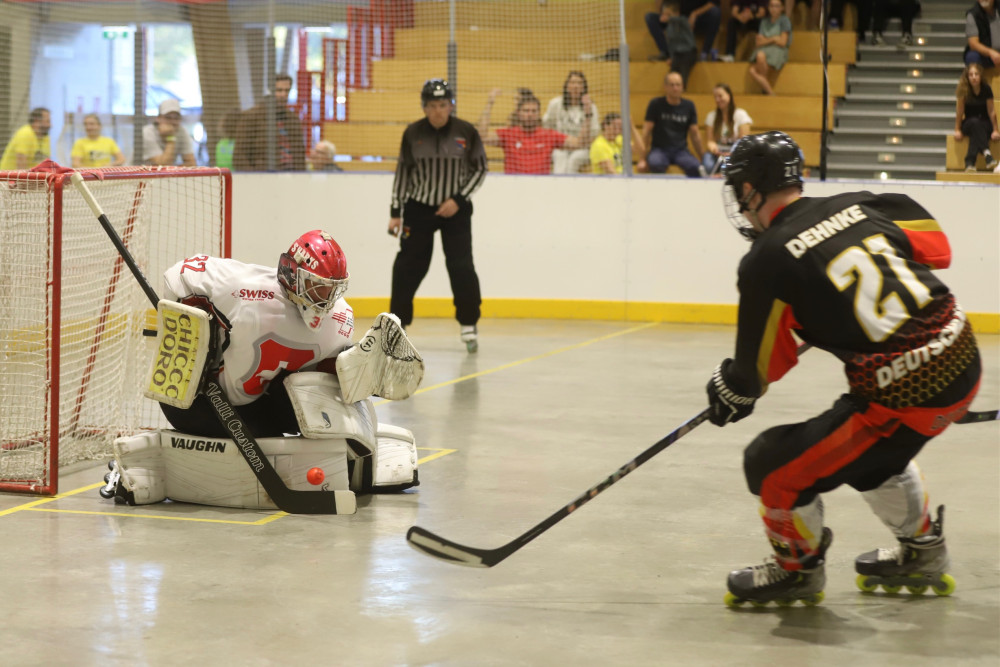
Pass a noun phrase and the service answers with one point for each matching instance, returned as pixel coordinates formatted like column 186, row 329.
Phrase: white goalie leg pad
column 391, row 467
column 322, row 411
column 900, row 502
column 384, row 363
column 143, row 470
column 211, row 471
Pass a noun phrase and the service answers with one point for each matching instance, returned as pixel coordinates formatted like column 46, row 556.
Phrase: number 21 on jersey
column 879, row 316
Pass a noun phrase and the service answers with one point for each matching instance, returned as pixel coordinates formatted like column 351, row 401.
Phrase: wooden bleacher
column 955, row 157
column 546, row 51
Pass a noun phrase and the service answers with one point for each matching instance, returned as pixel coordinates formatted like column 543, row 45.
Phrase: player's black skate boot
column 915, row 563
column 769, row 582
column 113, row 487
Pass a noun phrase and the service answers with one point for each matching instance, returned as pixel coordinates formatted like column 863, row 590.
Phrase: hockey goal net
column 72, row 349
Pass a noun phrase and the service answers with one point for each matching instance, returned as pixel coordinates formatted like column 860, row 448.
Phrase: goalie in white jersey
column 283, row 355
column 270, row 324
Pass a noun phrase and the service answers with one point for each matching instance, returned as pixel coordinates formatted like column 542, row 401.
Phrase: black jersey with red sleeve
column 851, row 274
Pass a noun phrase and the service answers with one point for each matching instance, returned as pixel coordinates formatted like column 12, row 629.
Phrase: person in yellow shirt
column 606, row 150
column 30, row 144
column 95, row 150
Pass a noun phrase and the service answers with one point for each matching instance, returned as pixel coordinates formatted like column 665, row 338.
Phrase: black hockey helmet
column 436, row 89
column 769, row 162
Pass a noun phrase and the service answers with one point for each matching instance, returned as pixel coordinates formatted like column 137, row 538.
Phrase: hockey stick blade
column 428, row 543
column 972, row 417
column 287, row 500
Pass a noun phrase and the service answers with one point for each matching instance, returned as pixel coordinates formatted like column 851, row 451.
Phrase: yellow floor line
column 273, row 517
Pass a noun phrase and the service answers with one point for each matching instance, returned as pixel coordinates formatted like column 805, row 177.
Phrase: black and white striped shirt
column 438, row 164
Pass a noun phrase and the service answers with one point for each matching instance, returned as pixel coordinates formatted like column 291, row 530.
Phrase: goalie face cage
column 72, row 352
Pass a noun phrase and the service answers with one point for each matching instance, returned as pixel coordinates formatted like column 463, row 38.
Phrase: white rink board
column 645, row 239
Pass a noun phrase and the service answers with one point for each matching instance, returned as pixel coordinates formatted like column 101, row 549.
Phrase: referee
column 441, row 163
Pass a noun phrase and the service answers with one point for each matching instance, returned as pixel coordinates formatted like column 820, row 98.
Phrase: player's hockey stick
column 427, row 542
column 982, row 416
column 287, row 500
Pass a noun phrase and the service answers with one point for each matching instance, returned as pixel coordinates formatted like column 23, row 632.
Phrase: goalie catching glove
column 384, row 363
column 724, row 404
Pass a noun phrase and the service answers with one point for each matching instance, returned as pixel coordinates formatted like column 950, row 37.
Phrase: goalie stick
column 287, row 500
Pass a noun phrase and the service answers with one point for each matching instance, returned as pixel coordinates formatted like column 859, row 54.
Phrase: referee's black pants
column 416, row 245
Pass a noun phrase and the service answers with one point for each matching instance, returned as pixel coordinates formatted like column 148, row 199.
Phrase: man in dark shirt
column 704, row 16
column 670, row 121
column 441, row 163
column 850, row 274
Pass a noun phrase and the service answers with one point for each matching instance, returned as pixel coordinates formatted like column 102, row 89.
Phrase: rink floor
column 544, row 411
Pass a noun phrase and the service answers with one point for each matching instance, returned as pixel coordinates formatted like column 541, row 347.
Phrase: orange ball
column 315, row 476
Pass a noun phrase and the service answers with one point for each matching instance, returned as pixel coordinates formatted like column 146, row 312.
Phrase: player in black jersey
column 850, row 274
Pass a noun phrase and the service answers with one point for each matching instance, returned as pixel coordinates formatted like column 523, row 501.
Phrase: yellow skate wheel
column 891, row 590
column 814, row 600
column 784, row 603
column 758, row 604
column 917, row 589
column 732, row 601
column 864, row 584
column 947, row 585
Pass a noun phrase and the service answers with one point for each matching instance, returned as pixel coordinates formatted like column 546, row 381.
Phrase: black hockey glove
column 724, row 404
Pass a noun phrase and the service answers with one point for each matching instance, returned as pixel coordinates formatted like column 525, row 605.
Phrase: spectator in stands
column 606, row 151
column 30, row 144
column 670, row 121
column 704, row 16
column 975, row 116
column 527, row 146
column 815, row 9
column 228, row 127
column 567, row 114
column 95, row 150
column 773, row 39
column 680, row 40
column 982, row 32
column 254, row 150
column 864, row 16
column 906, row 10
column 321, row 157
column 745, row 17
column 165, row 141
column 723, row 126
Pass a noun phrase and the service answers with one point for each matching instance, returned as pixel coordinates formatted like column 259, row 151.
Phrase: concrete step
column 880, row 85
column 930, row 120
column 891, row 53
column 898, row 137
column 853, row 169
column 891, row 104
column 904, row 67
column 888, row 156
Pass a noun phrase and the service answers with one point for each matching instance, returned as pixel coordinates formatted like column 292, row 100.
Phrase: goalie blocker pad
column 156, row 465
column 381, row 458
column 384, row 363
column 184, row 342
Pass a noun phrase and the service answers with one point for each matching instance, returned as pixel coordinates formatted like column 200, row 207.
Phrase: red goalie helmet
column 314, row 275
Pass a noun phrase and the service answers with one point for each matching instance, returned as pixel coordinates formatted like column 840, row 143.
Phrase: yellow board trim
column 570, row 309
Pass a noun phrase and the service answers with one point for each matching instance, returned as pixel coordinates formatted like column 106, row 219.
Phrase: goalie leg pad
column 391, row 467
column 322, row 412
column 384, row 363
column 143, row 471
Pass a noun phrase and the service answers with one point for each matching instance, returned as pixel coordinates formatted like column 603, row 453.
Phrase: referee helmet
column 436, row 89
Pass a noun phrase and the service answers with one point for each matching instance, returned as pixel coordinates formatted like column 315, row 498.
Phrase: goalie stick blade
column 971, row 417
column 428, row 543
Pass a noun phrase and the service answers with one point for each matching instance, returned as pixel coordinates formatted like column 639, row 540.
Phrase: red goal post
column 72, row 351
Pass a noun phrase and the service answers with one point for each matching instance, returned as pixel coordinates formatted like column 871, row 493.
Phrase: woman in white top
column 724, row 125
column 575, row 115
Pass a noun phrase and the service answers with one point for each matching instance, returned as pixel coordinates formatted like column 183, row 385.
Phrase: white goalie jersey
column 264, row 329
